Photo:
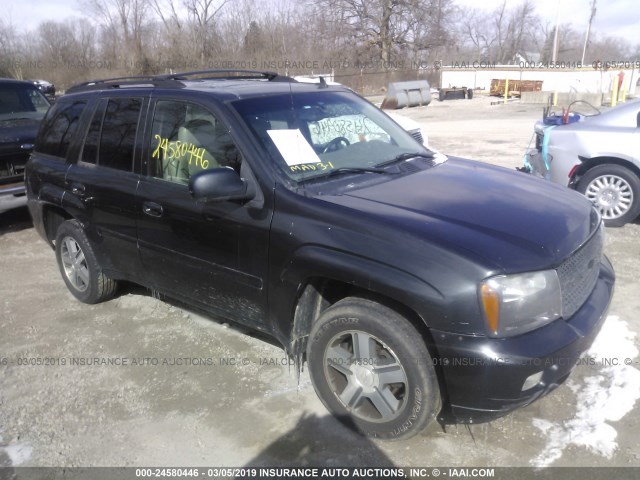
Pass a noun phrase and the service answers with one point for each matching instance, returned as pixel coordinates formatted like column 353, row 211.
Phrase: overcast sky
column 614, row 17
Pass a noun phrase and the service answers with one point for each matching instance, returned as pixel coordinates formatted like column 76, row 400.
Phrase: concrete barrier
column 564, row 98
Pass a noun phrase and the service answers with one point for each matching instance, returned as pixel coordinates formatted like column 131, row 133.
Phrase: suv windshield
column 311, row 135
column 21, row 101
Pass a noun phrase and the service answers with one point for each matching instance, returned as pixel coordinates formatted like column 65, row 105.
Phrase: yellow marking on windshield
column 319, row 166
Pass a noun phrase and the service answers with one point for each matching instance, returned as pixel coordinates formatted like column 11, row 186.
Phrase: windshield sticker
column 355, row 128
column 293, row 147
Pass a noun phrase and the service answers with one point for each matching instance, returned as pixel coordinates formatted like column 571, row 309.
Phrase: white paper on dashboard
column 293, row 147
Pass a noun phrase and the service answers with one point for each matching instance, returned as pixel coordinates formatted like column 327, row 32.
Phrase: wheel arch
column 316, row 294
column 589, row 163
column 325, row 276
column 96, row 286
column 52, row 217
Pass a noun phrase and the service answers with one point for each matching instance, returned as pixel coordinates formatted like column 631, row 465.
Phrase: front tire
column 79, row 267
column 371, row 368
column 615, row 191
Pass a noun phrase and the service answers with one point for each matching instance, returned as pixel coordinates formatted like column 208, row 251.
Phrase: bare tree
column 383, row 29
column 67, row 47
column 203, row 14
column 569, row 44
column 149, row 36
column 169, row 37
column 500, row 35
column 125, row 20
column 430, row 25
column 58, row 42
column 476, row 28
column 8, row 49
column 603, row 47
column 171, row 19
column 266, row 35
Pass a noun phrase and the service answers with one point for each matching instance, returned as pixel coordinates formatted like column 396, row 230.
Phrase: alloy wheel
column 75, row 264
column 366, row 376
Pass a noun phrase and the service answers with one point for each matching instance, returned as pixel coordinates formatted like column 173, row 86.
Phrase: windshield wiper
column 338, row 171
column 407, row 156
column 361, row 169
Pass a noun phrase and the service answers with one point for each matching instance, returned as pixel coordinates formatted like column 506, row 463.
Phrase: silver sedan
column 598, row 156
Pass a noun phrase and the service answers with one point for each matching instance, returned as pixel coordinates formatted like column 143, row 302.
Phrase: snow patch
column 18, row 453
column 602, row 398
column 281, row 391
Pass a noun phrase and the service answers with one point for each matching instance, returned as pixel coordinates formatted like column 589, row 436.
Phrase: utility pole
column 586, row 39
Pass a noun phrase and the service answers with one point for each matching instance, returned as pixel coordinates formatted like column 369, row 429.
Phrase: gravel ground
column 235, row 401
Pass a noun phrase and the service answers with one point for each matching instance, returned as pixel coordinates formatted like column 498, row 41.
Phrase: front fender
column 313, row 261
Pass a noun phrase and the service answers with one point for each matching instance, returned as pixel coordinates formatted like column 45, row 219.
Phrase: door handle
column 79, row 191
column 152, row 209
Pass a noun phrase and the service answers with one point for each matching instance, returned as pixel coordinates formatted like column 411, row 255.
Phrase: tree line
column 359, row 40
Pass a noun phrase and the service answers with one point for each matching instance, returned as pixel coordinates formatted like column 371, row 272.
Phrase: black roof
column 236, row 83
column 176, row 80
column 19, row 82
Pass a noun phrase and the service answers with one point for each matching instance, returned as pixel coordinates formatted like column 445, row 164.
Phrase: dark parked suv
column 413, row 284
column 22, row 108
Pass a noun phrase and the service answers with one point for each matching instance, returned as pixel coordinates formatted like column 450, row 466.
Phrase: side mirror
column 217, row 185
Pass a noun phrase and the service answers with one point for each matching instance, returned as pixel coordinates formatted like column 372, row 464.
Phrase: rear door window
column 118, row 135
column 92, row 140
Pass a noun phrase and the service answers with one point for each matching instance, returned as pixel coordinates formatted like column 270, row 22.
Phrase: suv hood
column 14, row 132
column 513, row 221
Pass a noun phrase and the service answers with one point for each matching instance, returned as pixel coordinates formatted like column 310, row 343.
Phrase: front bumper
column 484, row 377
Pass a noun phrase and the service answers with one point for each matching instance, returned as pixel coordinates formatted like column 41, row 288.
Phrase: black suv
column 411, row 283
column 22, row 108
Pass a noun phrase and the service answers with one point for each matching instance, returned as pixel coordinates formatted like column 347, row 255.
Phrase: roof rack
column 173, row 80
column 124, row 82
column 225, row 74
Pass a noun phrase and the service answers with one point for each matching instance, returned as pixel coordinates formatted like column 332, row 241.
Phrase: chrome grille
column 578, row 275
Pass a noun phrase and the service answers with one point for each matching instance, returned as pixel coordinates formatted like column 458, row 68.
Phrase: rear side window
column 118, row 135
column 59, row 128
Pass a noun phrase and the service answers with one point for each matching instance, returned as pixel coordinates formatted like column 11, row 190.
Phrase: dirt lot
column 238, row 403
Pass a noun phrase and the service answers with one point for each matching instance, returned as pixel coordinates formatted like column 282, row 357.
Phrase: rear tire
column 371, row 368
column 79, row 267
column 615, row 192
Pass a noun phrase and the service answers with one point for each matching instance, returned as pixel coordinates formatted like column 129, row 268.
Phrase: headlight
column 514, row 304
